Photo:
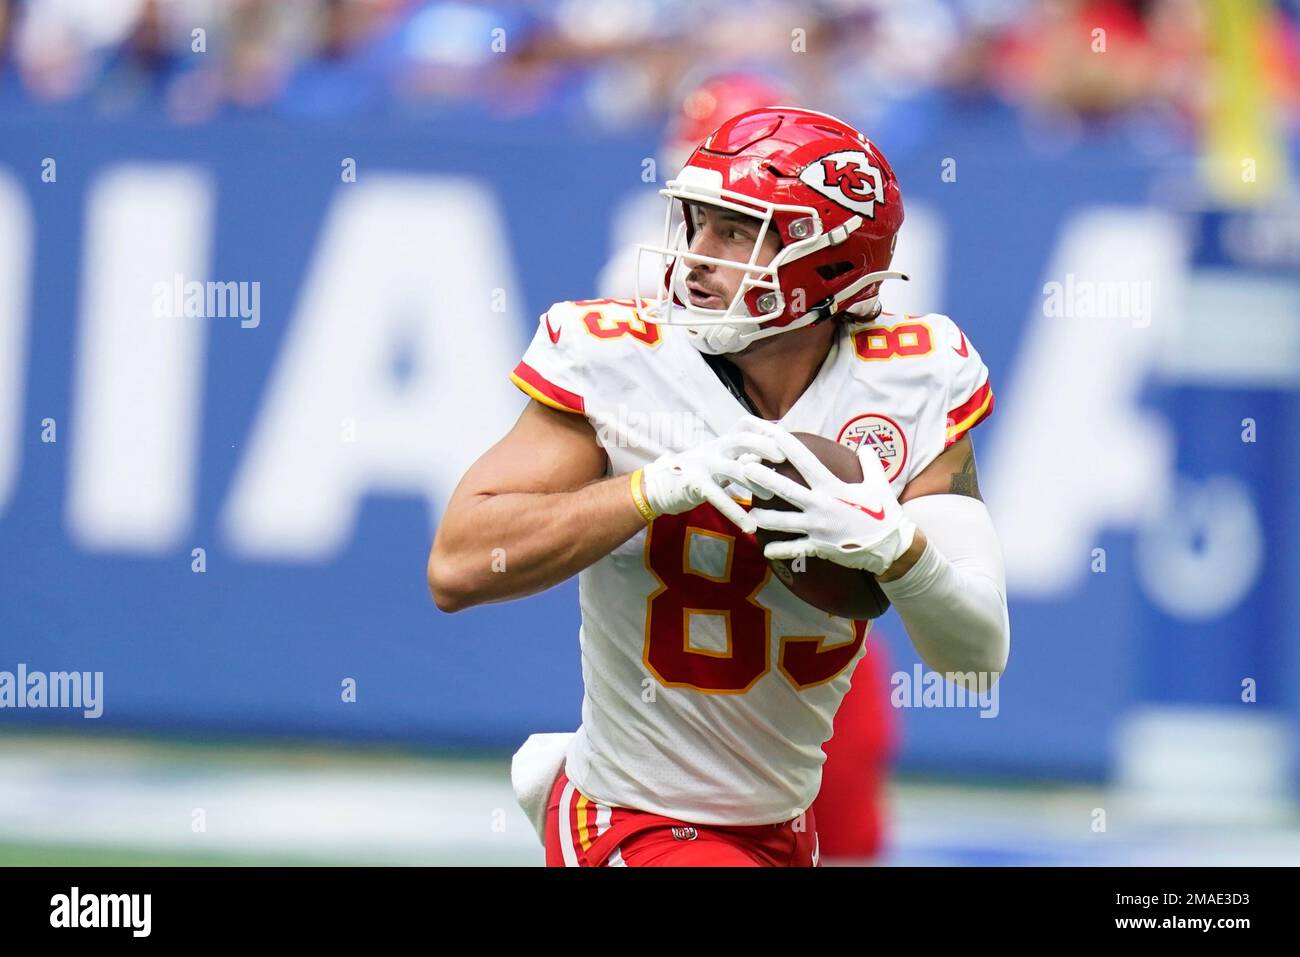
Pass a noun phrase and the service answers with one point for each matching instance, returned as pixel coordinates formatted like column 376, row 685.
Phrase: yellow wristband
column 638, row 498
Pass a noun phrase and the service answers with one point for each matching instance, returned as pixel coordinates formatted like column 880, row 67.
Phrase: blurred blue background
column 387, row 178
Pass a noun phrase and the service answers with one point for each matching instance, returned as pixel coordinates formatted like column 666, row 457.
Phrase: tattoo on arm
column 966, row 482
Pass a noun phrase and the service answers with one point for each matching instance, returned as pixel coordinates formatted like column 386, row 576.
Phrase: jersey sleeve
column 970, row 393
column 552, row 370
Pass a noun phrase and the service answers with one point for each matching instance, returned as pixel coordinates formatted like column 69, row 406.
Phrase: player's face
column 724, row 234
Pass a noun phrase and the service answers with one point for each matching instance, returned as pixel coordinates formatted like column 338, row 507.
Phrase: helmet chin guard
column 717, row 340
column 824, row 189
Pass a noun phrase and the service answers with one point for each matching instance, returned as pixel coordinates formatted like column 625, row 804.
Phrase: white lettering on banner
column 1074, row 452
column 405, row 266
column 15, row 278
column 138, row 389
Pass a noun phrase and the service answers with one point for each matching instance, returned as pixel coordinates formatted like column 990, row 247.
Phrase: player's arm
column 952, row 473
column 949, row 586
column 535, row 508
column 540, row 497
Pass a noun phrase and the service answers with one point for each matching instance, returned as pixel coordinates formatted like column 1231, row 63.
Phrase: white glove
column 857, row 525
column 677, row 482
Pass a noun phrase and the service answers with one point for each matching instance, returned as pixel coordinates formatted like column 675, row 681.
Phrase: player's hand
column 679, row 481
column 859, row 525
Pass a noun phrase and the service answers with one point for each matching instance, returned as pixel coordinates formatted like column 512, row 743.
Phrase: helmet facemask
column 759, row 307
column 759, row 298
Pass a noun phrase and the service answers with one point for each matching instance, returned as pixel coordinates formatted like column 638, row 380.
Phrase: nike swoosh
column 878, row 516
column 553, row 333
column 963, row 351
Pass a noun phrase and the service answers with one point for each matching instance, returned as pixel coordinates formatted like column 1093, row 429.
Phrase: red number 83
column 685, row 591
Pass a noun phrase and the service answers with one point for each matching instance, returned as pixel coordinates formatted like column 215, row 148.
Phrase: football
column 843, row 592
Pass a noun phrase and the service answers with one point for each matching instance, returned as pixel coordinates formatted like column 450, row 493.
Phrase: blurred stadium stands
column 615, row 63
column 1110, row 216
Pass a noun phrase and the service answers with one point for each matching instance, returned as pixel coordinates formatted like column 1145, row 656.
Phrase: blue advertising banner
column 243, row 365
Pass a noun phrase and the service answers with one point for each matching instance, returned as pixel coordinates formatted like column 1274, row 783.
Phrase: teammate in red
column 642, row 465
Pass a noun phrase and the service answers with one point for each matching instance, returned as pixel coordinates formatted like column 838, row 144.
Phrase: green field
column 125, row 801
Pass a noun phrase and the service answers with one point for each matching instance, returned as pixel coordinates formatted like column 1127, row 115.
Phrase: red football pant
column 583, row 833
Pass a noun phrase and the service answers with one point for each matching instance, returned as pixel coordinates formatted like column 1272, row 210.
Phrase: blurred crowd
column 616, row 62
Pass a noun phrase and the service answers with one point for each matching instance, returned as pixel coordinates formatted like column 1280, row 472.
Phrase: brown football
column 843, row 592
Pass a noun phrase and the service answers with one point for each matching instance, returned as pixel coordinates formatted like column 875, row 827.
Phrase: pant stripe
column 567, row 849
column 584, row 832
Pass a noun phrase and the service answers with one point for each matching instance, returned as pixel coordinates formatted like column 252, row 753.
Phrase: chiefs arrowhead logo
column 849, row 178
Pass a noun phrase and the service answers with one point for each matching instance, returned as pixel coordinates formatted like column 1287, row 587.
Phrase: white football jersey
column 709, row 687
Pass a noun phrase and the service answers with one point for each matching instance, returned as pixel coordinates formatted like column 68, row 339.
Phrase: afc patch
column 884, row 433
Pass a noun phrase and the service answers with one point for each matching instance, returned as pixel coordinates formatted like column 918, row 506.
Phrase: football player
column 642, row 465
column 851, row 805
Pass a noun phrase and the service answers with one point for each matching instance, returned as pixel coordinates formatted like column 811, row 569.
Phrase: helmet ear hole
column 831, row 270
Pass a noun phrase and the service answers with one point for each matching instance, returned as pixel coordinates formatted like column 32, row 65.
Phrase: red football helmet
column 827, row 191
